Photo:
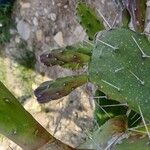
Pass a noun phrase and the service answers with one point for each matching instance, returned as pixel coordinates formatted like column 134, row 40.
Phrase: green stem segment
column 19, row 126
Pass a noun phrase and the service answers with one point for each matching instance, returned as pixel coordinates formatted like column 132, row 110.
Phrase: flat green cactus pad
column 88, row 19
column 120, row 67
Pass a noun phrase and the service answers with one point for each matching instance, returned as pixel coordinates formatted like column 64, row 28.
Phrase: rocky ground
column 42, row 25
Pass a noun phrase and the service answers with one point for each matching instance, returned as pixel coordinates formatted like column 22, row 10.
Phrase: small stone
column 47, row 39
column 53, row 2
column 2, row 147
column 148, row 3
column 45, row 11
column 59, row 39
column 32, row 105
column 147, row 28
column 17, row 40
column 59, row 4
column 12, row 31
column 36, row 14
column 79, row 32
column 65, row 6
column 35, row 21
column 148, row 12
column 23, row 29
column 25, row 5
column 52, row 16
column 39, row 35
column 42, row 118
column 17, row 20
column 103, row 1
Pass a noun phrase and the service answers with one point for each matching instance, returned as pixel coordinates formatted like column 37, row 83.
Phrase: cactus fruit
column 88, row 19
column 120, row 67
column 52, row 90
column 70, row 57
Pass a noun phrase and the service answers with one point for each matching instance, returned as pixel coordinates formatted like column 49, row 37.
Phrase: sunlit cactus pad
column 120, row 66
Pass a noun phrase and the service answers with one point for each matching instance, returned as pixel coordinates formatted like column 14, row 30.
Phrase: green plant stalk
column 19, row 126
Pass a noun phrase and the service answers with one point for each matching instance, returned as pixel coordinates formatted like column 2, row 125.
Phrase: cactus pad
column 88, row 19
column 120, row 66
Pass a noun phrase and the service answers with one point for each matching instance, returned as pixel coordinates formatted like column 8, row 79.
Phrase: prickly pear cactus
column 88, row 19
column 120, row 66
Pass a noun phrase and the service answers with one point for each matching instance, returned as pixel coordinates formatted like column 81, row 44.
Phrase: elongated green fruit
column 19, row 126
column 73, row 57
column 53, row 90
